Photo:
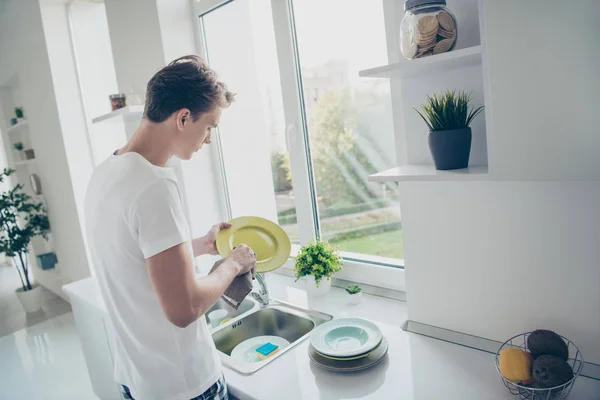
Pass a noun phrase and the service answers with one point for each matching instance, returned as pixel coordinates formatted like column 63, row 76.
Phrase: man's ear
column 182, row 117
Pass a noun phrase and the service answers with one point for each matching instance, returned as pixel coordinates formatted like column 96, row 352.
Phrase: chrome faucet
column 263, row 293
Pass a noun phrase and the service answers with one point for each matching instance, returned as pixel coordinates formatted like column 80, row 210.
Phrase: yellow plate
column 358, row 357
column 270, row 243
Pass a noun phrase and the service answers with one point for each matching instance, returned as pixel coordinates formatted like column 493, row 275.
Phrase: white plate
column 353, row 365
column 246, row 351
column 346, row 337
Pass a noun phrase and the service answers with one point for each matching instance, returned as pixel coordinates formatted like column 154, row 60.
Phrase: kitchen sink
column 246, row 306
column 276, row 319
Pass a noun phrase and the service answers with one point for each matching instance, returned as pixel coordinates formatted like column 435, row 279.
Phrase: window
column 240, row 45
column 349, row 124
column 306, row 130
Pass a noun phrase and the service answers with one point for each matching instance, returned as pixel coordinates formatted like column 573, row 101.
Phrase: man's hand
column 244, row 257
column 206, row 244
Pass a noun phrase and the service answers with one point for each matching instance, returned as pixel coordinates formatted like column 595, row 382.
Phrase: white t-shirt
column 133, row 211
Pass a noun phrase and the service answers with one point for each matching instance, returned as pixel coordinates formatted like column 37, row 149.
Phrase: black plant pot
column 450, row 149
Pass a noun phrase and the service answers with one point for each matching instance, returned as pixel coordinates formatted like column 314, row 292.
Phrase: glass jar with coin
column 428, row 28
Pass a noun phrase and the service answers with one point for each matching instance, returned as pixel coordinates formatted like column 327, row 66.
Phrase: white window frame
column 365, row 269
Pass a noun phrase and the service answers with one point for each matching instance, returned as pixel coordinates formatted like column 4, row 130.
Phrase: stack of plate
column 347, row 344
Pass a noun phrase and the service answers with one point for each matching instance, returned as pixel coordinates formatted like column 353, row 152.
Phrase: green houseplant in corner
column 448, row 117
column 318, row 262
column 21, row 219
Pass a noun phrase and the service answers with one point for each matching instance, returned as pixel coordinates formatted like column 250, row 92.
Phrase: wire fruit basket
column 534, row 393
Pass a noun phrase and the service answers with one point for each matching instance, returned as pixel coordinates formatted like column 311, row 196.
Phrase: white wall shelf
column 428, row 173
column 125, row 112
column 20, row 124
column 25, row 162
column 423, row 66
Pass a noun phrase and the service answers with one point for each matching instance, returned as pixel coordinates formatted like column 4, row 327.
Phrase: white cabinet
column 95, row 333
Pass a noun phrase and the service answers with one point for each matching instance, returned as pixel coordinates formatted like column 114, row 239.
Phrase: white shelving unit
column 21, row 133
column 15, row 128
column 25, row 162
column 425, row 173
column 458, row 69
column 427, row 65
column 125, row 112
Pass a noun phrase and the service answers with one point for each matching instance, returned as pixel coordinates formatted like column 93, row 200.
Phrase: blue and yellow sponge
column 266, row 350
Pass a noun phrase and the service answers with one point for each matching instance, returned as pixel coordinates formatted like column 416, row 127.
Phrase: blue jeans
column 218, row 391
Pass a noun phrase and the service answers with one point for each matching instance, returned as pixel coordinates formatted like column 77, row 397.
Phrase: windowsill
column 377, row 274
column 379, row 291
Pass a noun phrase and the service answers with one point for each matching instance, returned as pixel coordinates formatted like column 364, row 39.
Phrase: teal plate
column 352, row 365
column 346, row 337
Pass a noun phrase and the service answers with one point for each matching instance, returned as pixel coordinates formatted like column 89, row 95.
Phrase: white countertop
column 416, row 367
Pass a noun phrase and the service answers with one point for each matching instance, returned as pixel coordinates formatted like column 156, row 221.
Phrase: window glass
column 350, row 123
column 241, row 47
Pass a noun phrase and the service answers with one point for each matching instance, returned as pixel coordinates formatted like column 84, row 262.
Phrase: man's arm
column 183, row 297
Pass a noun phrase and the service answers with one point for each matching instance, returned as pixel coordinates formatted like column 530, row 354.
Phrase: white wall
column 68, row 99
column 498, row 258
column 543, row 77
column 136, row 42
column 25, row 56
column 495, row 259
column 91, row 40
column 176, row 21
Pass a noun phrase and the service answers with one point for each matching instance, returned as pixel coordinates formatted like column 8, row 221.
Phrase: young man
column 142, row 251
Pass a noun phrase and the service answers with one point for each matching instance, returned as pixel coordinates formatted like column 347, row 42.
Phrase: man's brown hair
column 187, row 82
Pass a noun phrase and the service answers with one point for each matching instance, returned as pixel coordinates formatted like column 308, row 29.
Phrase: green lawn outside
column 386, row 244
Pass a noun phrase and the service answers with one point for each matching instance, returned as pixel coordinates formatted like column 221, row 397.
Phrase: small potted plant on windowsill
column 21, row 219
column 448, row 117
column 354, row 294
column 318, row 262
column 19, row 148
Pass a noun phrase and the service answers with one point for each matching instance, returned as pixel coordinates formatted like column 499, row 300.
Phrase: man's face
column 193, row 135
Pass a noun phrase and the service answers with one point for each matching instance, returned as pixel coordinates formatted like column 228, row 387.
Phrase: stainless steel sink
column 246, row 306
column 277, row 319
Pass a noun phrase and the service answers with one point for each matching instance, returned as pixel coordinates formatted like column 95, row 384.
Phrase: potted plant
column 19, row 148
column 448, row 117
column 354, row 294
column 19, row 112
column 21, row 219
column 318, row 262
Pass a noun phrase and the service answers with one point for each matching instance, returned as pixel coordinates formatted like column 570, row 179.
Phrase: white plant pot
column 313, row 290
column 354, row 298
column 22, row 156
column 31, row 299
